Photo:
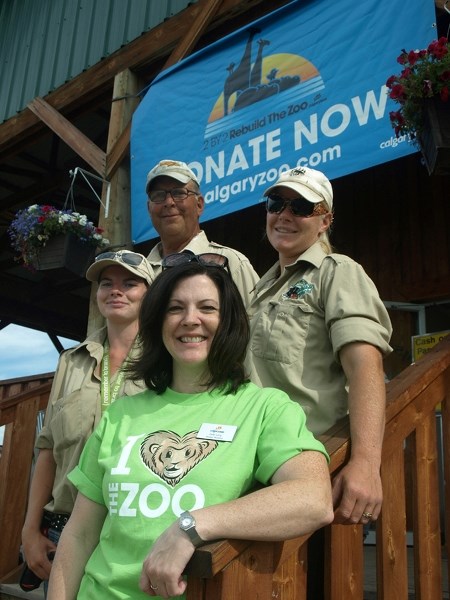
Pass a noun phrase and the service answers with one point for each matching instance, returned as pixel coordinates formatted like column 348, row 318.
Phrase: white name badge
column 212, row 431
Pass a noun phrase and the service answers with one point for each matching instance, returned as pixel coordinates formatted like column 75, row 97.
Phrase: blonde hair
column 325, row 242
column 324, row 238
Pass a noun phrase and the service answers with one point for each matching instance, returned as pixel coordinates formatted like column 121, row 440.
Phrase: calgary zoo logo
column 283, row 78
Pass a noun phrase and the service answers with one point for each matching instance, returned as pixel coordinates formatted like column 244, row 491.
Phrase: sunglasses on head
column 207, row 259
column 300, row 207
column 129, row 258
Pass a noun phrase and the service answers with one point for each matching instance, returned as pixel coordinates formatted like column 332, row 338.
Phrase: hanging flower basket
column 434, row 138
column 47, row 238
column 66, row 254
column 422, row 90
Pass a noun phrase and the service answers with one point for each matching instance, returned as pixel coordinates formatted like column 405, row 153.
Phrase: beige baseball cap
column 171, row 168
column 309, row 183
column 136, row 263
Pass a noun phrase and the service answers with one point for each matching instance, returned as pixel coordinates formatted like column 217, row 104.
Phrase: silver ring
column 154, row 587
column 366, row 515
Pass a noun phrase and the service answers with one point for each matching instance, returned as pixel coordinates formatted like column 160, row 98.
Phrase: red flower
column 438, row 48
column 406, row 73
column 403, row 58
column 396, row 117
column 413, row 57
column 390, row 82
column 397, row 92
column 425, row 74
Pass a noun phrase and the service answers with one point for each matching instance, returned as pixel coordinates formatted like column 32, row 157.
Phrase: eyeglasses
column 177, row 195
column 208, row 259
column 300, row 207
column 129, row 258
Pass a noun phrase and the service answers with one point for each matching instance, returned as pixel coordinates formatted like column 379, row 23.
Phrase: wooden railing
column 242, row 570
column 20, row 402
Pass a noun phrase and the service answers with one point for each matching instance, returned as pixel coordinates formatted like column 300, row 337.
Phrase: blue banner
column 303, row 86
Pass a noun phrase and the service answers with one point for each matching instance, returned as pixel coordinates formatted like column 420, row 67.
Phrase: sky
column 25, row 352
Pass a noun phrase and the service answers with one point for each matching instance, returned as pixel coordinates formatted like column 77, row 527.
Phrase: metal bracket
column 85, row 174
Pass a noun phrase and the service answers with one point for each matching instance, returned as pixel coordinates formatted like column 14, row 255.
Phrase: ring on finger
column 367, row 515
column 154, row 587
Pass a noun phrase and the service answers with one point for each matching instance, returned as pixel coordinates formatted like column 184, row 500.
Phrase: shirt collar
column 196, row 245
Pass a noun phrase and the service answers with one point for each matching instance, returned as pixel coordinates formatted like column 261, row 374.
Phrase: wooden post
column 117, row 224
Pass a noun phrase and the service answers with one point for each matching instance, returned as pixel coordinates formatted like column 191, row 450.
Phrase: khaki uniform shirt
column 299, row 322
column 242, row 272
column 74, row 409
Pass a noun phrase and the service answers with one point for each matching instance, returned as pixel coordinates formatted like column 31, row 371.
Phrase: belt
column 56, row 521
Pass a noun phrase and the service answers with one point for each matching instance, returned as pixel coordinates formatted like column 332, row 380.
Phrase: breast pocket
column 73, row 418
column 279, row 332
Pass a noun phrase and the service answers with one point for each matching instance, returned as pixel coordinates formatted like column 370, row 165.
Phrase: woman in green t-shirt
column 174, row 466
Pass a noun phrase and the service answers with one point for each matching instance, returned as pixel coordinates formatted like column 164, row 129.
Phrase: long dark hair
column 228, row 348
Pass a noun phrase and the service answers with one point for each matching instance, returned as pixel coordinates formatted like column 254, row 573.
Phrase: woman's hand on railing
column 357, row 493
column 162, row 572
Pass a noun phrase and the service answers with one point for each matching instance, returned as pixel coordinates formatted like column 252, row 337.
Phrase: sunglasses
column 208, row 259
column 300, row 207
column 129, row 258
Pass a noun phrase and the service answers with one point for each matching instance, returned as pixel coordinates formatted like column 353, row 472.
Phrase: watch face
column 187, row 524
column 186, row 521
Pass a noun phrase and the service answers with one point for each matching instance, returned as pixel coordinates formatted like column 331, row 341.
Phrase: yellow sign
column 421, row 344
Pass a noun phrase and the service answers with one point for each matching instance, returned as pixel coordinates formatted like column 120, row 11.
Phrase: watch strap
column 190, row 530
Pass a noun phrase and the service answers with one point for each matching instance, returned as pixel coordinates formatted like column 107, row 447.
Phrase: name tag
column 221, row 433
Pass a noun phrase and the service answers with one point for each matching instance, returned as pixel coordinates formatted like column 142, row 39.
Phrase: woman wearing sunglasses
column 174, row 467
column 319, row 332
column 89, row 377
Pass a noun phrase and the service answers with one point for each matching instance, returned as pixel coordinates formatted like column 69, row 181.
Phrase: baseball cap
column 172, row 168
column 133, row 262
column 311, row 184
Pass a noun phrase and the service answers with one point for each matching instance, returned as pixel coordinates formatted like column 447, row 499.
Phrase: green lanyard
column 109, row 395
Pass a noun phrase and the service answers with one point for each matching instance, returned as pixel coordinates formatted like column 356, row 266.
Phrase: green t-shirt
column 145, row 463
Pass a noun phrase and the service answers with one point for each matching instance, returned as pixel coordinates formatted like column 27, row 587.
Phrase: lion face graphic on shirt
column 170, row 456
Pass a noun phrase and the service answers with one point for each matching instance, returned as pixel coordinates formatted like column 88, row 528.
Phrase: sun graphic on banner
column 275, row 74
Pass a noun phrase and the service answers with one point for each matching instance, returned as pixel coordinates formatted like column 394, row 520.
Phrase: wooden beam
column 117, row 223
column 138, row 55
column 80, row 143
column 191, row 37
column 118, row 152
column 184, row 47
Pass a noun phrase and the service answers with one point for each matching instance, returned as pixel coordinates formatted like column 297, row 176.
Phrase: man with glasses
column 175, row 204
column 319, row 332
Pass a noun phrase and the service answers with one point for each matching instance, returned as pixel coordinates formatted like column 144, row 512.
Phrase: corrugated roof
column 44, row 43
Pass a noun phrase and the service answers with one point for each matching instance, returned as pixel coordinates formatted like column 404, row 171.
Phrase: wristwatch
column 186, row 523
